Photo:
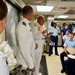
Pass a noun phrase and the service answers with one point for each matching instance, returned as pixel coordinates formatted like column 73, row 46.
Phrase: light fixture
column 50, row 18
column 44, row 8
column 63, row 16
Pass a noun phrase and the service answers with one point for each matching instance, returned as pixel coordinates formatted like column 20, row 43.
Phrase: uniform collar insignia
column 24, row 23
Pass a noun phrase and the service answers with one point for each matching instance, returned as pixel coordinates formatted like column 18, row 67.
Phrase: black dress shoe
column 57, row 54
column 49, row 54
column 52, row 53
column 65, row 72
column 62, row 71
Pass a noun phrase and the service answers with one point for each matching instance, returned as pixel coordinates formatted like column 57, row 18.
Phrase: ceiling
column 61, row 7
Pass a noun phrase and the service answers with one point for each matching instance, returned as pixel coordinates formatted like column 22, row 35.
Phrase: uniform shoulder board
column 24, row 23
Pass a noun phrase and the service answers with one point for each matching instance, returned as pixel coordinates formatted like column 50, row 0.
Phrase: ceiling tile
column 52, row 3
column 66, row 4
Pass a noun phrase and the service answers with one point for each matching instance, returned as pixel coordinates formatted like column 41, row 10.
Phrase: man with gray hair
column 39, row 31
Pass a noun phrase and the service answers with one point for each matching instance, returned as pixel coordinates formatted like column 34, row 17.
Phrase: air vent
column 63, row 8
column 70, row 12
column 35, row 2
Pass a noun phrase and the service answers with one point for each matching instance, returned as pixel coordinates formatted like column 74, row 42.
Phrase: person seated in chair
column 68, row 44
column 66, row 36
column 70, row 65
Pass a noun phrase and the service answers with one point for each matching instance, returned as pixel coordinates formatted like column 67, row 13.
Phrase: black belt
column 54, row 36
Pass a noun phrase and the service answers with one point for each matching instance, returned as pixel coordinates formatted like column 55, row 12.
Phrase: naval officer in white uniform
column 3, row 16
column 38, row 30
column 25, row 55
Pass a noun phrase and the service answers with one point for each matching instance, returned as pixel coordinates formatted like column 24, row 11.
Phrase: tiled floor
column 53, row 63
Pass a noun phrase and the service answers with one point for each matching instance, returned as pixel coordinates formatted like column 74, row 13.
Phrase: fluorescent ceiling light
column 63, row 16
column 44, row 8
column 50, row 18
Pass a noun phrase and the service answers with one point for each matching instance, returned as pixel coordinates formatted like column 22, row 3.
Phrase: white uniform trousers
column 37, row 62
column 21, row 61
column 38, row 56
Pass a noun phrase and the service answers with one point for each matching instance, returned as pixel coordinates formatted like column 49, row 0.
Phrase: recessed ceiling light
column 50, row 18
column 44, row 8
column 63, row 16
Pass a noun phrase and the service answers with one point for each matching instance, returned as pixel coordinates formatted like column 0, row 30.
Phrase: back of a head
column 64, row 24
column 27, row 9
column 52, row 23
column 3, row 10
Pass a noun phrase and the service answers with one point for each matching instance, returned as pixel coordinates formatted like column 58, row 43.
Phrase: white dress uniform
column 25, row 54
column 38, row 37
column 3, row 66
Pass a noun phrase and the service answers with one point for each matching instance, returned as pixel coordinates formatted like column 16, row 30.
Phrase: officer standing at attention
column 3, row 16
column 54, row 38
column 39, row 31
column 68, row 44
column 25, row 55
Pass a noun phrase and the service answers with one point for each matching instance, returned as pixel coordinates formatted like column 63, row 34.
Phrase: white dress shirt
column 55, row 31
column 66, row 37
column 69, row 44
